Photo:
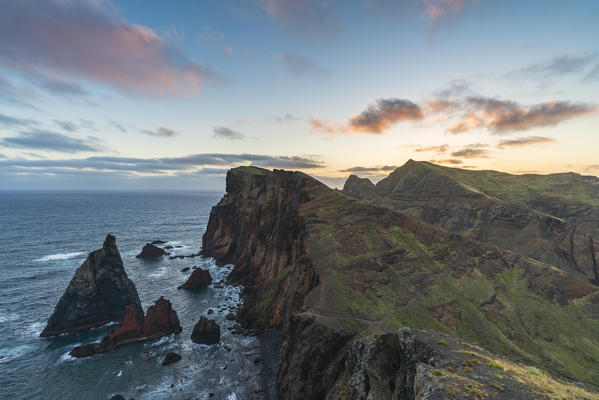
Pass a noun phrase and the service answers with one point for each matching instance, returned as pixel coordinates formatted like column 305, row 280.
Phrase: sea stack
column 197, row 280
column 160, row 320
column 151, row 251
column 99, row 292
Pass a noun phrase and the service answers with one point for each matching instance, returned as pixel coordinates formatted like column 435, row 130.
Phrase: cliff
column 551, row 218
column 340, row 277
column 98, row 293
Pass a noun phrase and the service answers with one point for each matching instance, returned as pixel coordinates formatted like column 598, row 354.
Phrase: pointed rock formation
column 151, row 251
column 359, row 188
column 99, row 292
column 197, row 280
column 160, row 320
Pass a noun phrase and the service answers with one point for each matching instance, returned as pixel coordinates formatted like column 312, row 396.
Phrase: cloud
column 477, row 150
column 6, row 120
column 283, row 119
column 188, row 164
column 566, row 64
column 384, row 168
column 525, row 141
column 117, row 126
column 331, row 128
column 226, row 133
column 438, row 149
column 505, row 116
column 52, row 141
column 437, row 10
column 88, row 40
column 53, row 83
column 160, row 132
column 66, row 125
column 306, row 17
column 300, row 66
column 447, row 161
column 384, row 113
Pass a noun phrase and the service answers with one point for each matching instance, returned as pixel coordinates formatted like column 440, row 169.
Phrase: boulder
column 160, row 320
column 171, row 358
column 151, row 251
column 99, row 292
column 230, row 316
column 197, row 280
column 206, row 331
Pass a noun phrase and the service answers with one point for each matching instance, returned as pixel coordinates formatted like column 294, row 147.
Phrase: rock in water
column 160, row 320
column 198, row 279
column 99, row 292
column 206, row 331
column 171, row 358
column 151, row 251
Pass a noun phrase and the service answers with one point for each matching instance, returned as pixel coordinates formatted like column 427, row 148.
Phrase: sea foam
column 60, row 256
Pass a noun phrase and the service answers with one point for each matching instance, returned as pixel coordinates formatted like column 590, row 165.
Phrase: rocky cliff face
column 99, row 292
column 340, row 277
column 480, row 205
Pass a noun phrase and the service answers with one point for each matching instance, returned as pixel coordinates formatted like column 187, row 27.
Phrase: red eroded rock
column 130, row 326
column 161, row 319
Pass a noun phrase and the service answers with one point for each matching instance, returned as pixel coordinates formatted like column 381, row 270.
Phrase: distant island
column 435, row 283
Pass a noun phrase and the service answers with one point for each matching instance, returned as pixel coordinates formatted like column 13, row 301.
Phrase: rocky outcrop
column 98, row 293
column 360, row 188
column 160, row 320
column 198, row 279
column 205, row 331
column 171, row 358
column 151, row 251
column 331, row 272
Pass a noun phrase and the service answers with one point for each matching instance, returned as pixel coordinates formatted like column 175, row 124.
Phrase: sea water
column 46, row 236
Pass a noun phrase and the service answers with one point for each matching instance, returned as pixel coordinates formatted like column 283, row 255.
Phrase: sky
column 163, row 95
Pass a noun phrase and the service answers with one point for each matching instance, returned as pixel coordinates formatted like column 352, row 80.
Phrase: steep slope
column 98, row 293
column 496, row 211
column 338, row 275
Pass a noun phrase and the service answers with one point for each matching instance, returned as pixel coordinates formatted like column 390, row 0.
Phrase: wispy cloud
column 475, row 150
column 223, row 132
column 562, row 65
column 505, row 116
column 66, row 125
column 384, row 168
column 453, row 161
column 6, row 120
column 282, row 118
column 52, row 141
column 300, row 66
column 437, row 10
column 188, row 164
column 306, row 17
column 437, row 149
column 160, row 132
column 87, row 39
column 117, row 126
column 525, row 141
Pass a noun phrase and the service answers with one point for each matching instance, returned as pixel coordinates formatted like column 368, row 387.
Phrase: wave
column 60, row 256
column 8, row 318
column 10, row 353
column 161, row 271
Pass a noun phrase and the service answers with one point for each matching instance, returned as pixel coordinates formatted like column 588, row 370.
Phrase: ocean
column 46, row 236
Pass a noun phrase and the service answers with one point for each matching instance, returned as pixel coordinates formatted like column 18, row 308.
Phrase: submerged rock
column 171, row 358
column 198, row 279
column 158, row 242
column 206, row 331
column 98, row 293
column 151, row 251
column 160, row 320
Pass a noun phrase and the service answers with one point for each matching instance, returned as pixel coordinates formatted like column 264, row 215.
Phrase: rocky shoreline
column 314, row 264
